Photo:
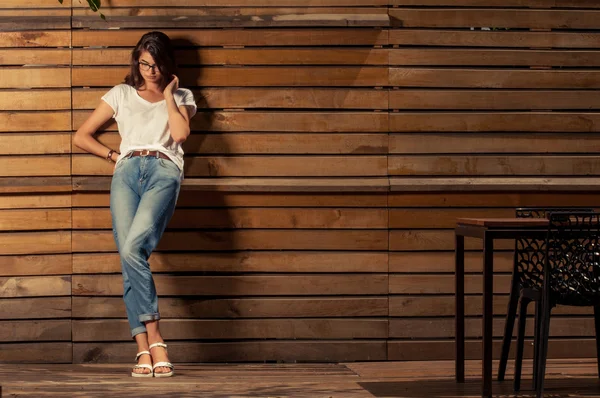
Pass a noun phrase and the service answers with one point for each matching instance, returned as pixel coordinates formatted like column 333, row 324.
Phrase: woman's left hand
column 172, row 86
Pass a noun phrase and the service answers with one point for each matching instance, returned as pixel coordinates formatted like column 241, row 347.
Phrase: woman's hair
column 159, row 46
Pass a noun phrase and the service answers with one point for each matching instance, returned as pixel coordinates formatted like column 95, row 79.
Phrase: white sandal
column 142, row 366
column 162, row 364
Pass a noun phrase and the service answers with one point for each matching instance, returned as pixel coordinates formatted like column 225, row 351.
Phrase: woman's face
column 148, row 68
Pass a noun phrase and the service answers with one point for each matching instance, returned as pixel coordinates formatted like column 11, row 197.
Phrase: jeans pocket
column 168, row 164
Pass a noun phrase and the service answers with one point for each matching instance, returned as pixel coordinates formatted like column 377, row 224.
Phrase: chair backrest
column 530, row 254
column 573, row 258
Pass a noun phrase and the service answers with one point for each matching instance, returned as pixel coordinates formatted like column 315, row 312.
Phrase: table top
column 504, row 222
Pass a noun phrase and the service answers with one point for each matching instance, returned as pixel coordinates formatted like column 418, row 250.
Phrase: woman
column 152, row 115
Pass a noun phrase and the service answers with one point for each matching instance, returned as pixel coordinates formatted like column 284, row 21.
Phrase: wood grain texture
column 268, row 97
column 102, row 241
column 252, row 261
column 244, row 307
column 246, row 285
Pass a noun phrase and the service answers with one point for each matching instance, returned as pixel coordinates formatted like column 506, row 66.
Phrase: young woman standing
column 152, row 115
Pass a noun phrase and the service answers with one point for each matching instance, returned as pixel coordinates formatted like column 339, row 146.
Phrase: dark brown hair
column 159, row 46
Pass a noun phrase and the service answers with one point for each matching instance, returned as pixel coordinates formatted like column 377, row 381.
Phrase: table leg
column 488, row 291
column 459, row 319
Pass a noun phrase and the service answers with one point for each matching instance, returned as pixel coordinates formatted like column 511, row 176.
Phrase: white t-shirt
column 145, row 125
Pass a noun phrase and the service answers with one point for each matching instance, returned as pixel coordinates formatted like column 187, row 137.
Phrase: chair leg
column 597, row 324
column 520, row 341
column 536, row 341
column 543, row 349
column 511, row 314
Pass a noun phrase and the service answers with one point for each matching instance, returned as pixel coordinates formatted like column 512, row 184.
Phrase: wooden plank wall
column 248, row 271
column 35, row 182
column 485, row 95
column 336, row 142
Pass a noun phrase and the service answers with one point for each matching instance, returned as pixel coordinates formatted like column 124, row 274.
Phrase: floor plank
column 565, row 378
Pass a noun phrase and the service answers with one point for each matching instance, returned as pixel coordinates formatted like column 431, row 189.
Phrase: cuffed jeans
column 143, row 195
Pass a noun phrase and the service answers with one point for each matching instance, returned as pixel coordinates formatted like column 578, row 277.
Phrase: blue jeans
column 143, row 195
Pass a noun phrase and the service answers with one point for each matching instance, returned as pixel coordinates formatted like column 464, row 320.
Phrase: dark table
column 487, row 229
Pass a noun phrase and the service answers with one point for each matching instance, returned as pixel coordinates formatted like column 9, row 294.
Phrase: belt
column 146, row 152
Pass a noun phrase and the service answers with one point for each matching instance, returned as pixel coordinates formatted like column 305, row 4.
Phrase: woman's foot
column 159, row 354
column 143, row 359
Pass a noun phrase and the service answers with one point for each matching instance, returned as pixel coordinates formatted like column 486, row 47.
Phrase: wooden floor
column 565, row 378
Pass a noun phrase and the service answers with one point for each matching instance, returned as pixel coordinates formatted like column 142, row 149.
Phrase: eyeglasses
column 146, row 66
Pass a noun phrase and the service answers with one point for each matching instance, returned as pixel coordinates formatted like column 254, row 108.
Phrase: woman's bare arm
column 84, row 137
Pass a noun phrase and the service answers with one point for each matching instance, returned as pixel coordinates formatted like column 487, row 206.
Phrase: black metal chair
column 571, row 275
column 526, row 286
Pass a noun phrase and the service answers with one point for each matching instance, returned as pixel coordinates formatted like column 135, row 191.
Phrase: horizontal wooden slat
column 251, row 97
column 224, row 121
column 35, row 121
column 247, row 56
column 253, row 261
column 238, row 37
column 259, row 185
column 243, row 3
column 444, row 262
column 497, row 78
column 497, row 184
column 494, row 99
column 477, row 38
column 439, row 218
column 494, row 165
column 27, row 20
column 444, row 306
column 35, row 201
column 14, row 185
column 55, row 352
column 246, row 240
column 253, row 351
column 430, row 143
column 266, row 143
column 221, row 10
column 299, row 218
column 183, row 18
column 36, row 308
column 498, row 18
column 56, row 264
column 45, row 56
column 495, row 57
column 504, row 121
column 445, row 350
column 19, row 77
column 46, row 330
column 191, row 329
column 35, row 286
column 419, row 240
column 498, row 3
column 34, row 4
column 23, row 166
column 247, row 285
column 222, row 76
column 431, row 328
column 35, row 100
column 22, row 220
column 247, row 307
column 35, row 242
column 442, row 284
column 35, row 144
column 189, row 198
column 254, row 166
column 518, row 198
column 35, row 39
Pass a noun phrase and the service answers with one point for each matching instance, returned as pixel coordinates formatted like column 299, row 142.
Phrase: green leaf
column 94, row 4
column 60, row 1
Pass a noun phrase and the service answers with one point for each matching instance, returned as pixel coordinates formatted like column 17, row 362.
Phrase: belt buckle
column 144, row 152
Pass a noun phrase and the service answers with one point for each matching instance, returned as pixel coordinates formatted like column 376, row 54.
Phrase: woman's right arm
column 84, row 137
